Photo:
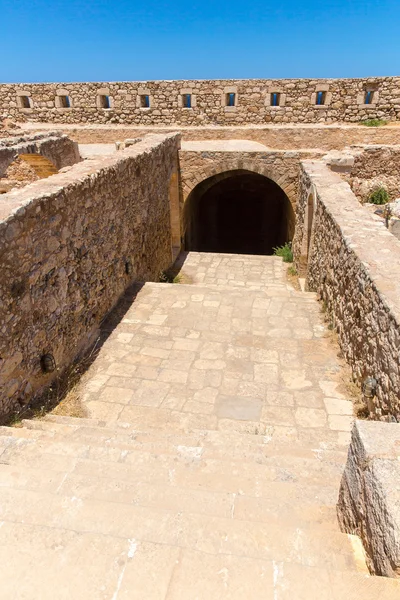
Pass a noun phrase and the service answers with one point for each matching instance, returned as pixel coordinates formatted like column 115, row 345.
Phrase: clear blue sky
column 111, row 40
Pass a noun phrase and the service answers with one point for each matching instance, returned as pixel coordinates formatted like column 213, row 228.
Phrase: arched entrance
column 237, row 212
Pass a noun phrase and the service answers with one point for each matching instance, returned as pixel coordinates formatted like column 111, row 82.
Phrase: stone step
column 166, row 421
column 213, row 444
column 213, row 535
column 41, row 563
column 187, row 462
column 308, row 505
column 104, row 463
column 261, row 290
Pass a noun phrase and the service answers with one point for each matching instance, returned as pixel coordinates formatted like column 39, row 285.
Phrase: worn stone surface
column 369, row 499
column 353, row 263
column 69, row 246
column 344, row 101
column 222, row 352
column 160, row 496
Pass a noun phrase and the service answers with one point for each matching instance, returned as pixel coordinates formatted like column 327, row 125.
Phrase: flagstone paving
column 210, row 461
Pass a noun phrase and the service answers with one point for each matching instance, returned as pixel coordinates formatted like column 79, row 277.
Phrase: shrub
column 379, row 196
column 374, row 122
column 285, row 252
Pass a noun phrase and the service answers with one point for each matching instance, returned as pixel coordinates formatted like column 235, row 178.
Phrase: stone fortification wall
column 69, row 247
column 54, row 146
column 218, row 102
column 353, row 263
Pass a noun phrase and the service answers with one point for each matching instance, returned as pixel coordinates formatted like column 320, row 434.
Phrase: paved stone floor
column 210, row 461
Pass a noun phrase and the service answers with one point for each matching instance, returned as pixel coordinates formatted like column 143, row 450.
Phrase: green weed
column 285, row 252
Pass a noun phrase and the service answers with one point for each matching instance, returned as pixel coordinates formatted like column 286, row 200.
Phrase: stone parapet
column 352, row 261
column 369, row 498
column 70, row 245
column 219, row 102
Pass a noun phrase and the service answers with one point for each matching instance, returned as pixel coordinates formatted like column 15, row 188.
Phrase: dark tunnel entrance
column 237, row 212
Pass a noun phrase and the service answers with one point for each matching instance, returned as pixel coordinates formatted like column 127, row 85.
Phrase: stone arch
column 285, row 180
column 237, row 210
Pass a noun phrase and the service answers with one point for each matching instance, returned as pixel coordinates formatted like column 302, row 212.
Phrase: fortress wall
column 353, row 264
column 344, row 100
column 70, row 245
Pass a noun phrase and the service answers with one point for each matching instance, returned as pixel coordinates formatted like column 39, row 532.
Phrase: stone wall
column 54, row 146
column 369, row 498
column 352, row 261
column 69, row 246
column 374, row 167
column 163, row 102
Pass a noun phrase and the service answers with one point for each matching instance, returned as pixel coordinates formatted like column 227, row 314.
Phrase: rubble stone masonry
column 69, row 247
column 218, row 102
column 353, row 263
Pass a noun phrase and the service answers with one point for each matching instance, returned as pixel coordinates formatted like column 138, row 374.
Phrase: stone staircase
column 213, row 490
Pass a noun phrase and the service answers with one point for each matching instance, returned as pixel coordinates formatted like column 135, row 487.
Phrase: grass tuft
column 285, row 252
column 374, row 122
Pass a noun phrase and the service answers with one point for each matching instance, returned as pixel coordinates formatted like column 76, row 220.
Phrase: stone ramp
column 209, row 465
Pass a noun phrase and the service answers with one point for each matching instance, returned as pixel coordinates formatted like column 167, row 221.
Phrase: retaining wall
column 69, row 247
column 278, row 137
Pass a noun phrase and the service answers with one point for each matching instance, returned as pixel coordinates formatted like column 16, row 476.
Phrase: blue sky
column 105, row 40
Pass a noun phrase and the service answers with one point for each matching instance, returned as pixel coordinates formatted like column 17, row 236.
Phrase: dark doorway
column 238, row 212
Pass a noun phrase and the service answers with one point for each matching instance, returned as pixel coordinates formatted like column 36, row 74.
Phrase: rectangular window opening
column 275, row 99
column 231, row 99
column 187, row 100
column 104, row 101
column 321, row 97
column 65, row 102
column 369, row 97
column 144, row 101
column 25, row 102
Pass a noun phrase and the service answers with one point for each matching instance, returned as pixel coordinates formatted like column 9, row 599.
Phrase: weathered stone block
column 369, row 498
